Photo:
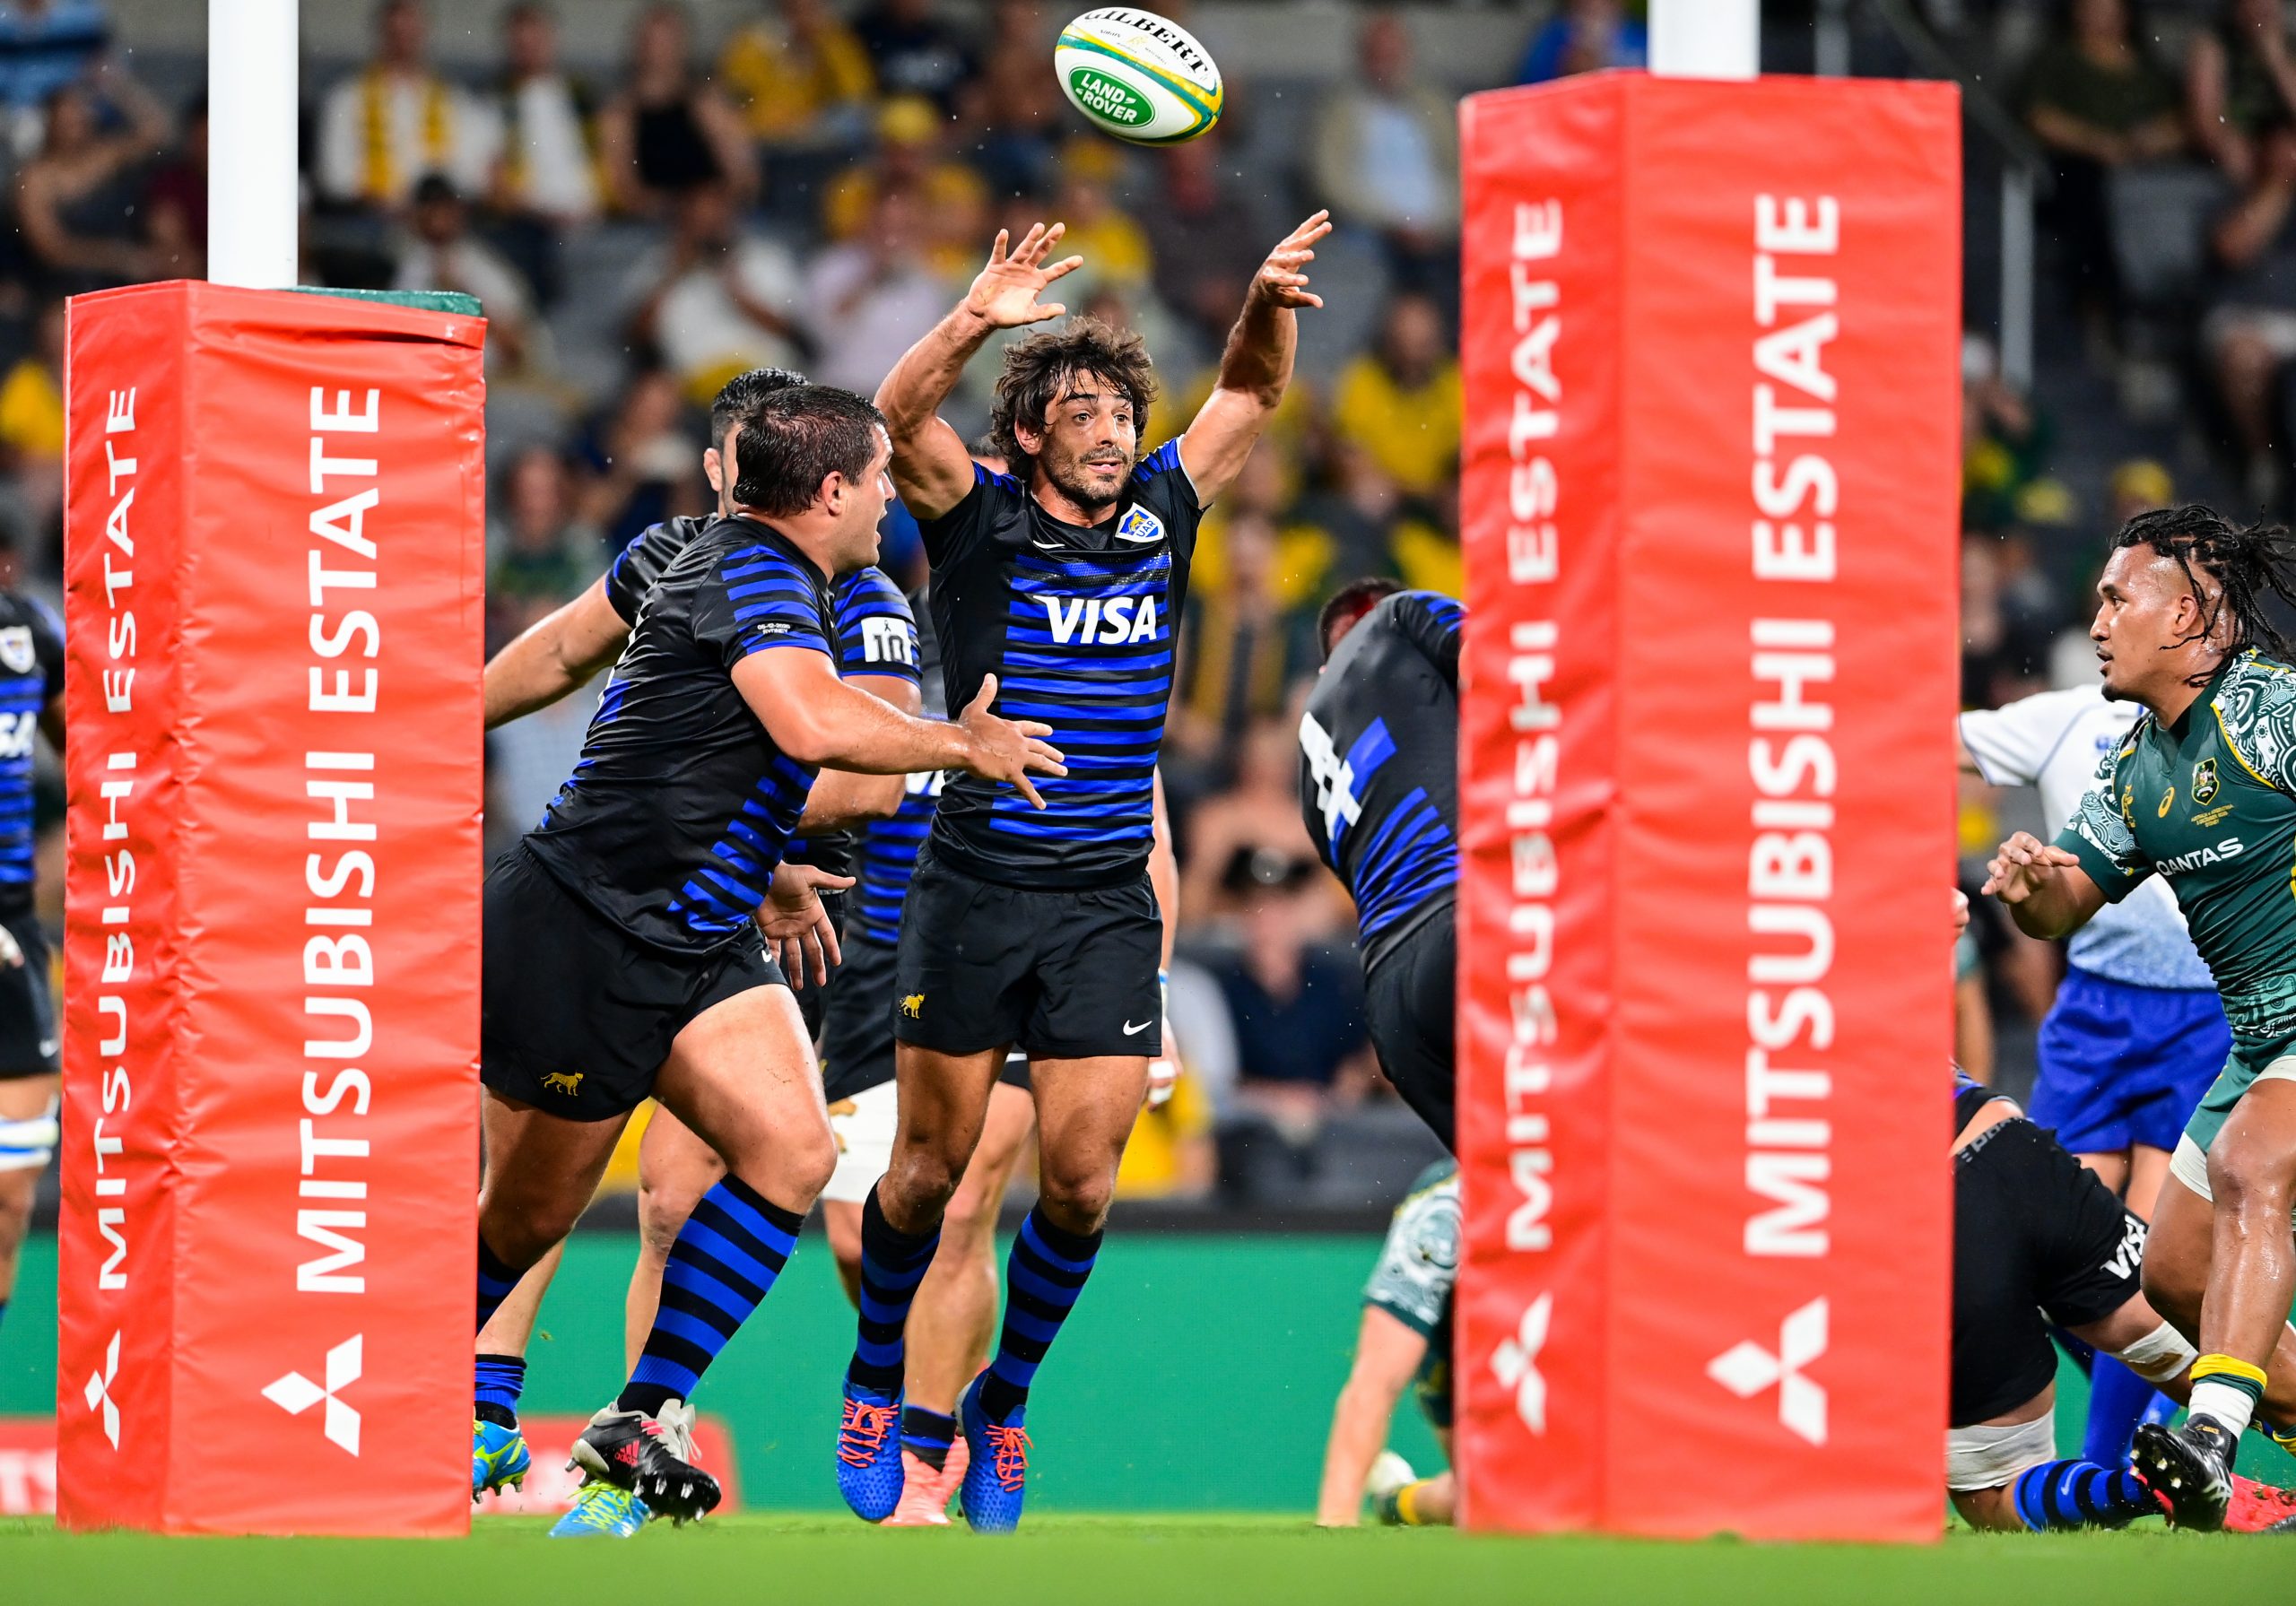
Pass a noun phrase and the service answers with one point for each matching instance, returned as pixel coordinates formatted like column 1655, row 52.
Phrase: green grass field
column 1117, row 1562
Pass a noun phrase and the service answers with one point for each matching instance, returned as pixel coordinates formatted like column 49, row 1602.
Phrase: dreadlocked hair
column 2248, row 563
column 1038, row 370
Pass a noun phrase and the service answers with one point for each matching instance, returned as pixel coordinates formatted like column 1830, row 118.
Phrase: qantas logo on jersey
column 1110, row 623
column 2201, row 857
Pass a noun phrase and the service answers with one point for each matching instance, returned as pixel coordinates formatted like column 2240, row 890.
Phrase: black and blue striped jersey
column 876, row 635
column 681, row 805
column 1378, row 765
column 1078, row 624
column 888, row 847
column 635, row 569
column 31, row 677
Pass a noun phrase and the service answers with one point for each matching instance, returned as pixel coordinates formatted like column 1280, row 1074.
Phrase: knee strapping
column 2160, row 1356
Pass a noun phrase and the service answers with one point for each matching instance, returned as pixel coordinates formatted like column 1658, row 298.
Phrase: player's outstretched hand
column 2023, row 865
column 1282, row 278
column 1007, row 749
column 798, row 931
column 1005, row 293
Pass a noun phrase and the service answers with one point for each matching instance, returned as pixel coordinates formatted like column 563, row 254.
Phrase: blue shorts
column 2122, row 1065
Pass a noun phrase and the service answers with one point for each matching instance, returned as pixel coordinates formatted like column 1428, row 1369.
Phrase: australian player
column 624, row 955
column 31, row 701
column 2136, row 1034
column 2202, row 792
column 1038, row 930
column 1379, row 783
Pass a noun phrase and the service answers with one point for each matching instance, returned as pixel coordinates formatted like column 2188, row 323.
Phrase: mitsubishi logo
column 295, row 1393
column 1747, row 1368
column 1515, row 1363
column 98, row 1392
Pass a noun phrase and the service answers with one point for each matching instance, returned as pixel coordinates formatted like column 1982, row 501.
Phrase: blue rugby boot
column 997, row 1476
column 868, row 1452
column 499, row 1457
column 602, row 1511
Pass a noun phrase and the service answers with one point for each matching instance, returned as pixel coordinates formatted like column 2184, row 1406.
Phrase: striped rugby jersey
column 681, row 805
column 876, row 635
column 1378, row 765
column 888, row 847
column 1077, row 624
column 31, row 676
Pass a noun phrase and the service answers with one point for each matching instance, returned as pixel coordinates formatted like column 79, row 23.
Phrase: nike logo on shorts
column 1130, row 1030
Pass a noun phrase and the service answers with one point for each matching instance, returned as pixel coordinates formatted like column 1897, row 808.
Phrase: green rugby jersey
column 2210, row 803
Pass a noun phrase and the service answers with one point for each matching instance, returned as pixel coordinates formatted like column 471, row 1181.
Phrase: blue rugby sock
column 1042, row 1278
column 499, row 1379
column 3, row 1310
column 2080, row 1494
column 927, row 1435
column 496, row 1278
column 2119, row 1399
column 723, row 1263
column 892, row 1264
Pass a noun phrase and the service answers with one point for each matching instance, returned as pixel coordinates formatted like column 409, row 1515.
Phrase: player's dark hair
column 1351, row 602
column 1038, row 370
column 2249, row 564
column 793, row 439
column 744, row 392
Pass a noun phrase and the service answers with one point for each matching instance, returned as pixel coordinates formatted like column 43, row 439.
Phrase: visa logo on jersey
column 16, row 732
column 1110, row 622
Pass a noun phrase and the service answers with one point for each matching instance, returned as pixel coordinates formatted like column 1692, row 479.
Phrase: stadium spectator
column 1584, row 36
column 74, row 200
column 2096, row 98
column 175, row 200
column 395, row 119
column 668, row 131
column 1387, row 153
column 32, row 423
column 799, row 75
column 44, row 45
column 545, row 178
column 1241, row 647
column 1012, row 108
column 715, row 300
column 439, row 252
column 1201, row 230
column 1114, row 246
column 540, row 558
column 1297, row 1005
column 2241, row 85
column 2249, row 335
column 2005, row 442
column 873, row 297
column 640, row 462
column 952, row 201
column 1400, row 401
column 1260, row 813
column 915, row 51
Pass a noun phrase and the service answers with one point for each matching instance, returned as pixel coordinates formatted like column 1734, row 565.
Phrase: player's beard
column 1072, row 478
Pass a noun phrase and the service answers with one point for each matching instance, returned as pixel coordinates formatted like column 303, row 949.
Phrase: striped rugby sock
column 496, row 1278
column 2081, row 1494
column 892, row 1264
column 927, row 1435
column 724, row 1262
column 1042, row 1278
column 500, row 1380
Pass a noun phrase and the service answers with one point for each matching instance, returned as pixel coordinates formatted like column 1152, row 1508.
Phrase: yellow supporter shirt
column 1413, row 435
column 1152, row 1164
column 782, row 88
column 31, row 411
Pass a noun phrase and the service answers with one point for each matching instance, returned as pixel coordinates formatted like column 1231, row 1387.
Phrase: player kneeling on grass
column 623, row 957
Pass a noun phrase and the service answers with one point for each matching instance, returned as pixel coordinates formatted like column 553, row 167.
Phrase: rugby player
column 1040, row 931
column 1379, row 783
column 624, row 958
column 1404, row 1340
column 31, row 699
column 2202, row 791
column 2136, row 1033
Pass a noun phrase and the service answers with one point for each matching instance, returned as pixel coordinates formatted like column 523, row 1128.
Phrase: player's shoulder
column 1433, row 604
column 2256, row 682
column 869, row 593
column 22, row 608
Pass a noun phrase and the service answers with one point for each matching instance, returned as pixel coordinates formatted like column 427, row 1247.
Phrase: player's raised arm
column 1256, row 368
column 931, row 468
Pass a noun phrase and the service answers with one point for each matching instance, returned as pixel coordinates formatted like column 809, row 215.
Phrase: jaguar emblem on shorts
column 569, row 1082
column 16, row 649
column 913, row 1006
column 2203, row 781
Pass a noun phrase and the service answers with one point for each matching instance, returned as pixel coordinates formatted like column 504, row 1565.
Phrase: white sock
column 2231, row 1407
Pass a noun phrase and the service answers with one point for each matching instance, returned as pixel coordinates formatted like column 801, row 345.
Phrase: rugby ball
column 1137, row 75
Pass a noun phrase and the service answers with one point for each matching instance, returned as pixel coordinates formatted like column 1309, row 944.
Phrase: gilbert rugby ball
column 1138, row 76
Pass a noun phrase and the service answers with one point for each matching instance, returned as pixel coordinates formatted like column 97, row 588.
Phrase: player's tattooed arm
column 553, row 657
column 931, row 467
column 1256, row 368
column 817, row 718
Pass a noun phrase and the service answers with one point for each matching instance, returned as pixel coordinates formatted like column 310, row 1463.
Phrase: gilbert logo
column 1747, row 1368
column 295, row 1393
column 98, row 1394
column 1515, row 1363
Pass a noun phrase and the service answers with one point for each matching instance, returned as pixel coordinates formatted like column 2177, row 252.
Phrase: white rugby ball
column 1137, row 75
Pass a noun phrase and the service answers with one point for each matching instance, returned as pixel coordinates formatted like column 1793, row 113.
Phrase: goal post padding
column 1710, row 344
column 274, row 543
